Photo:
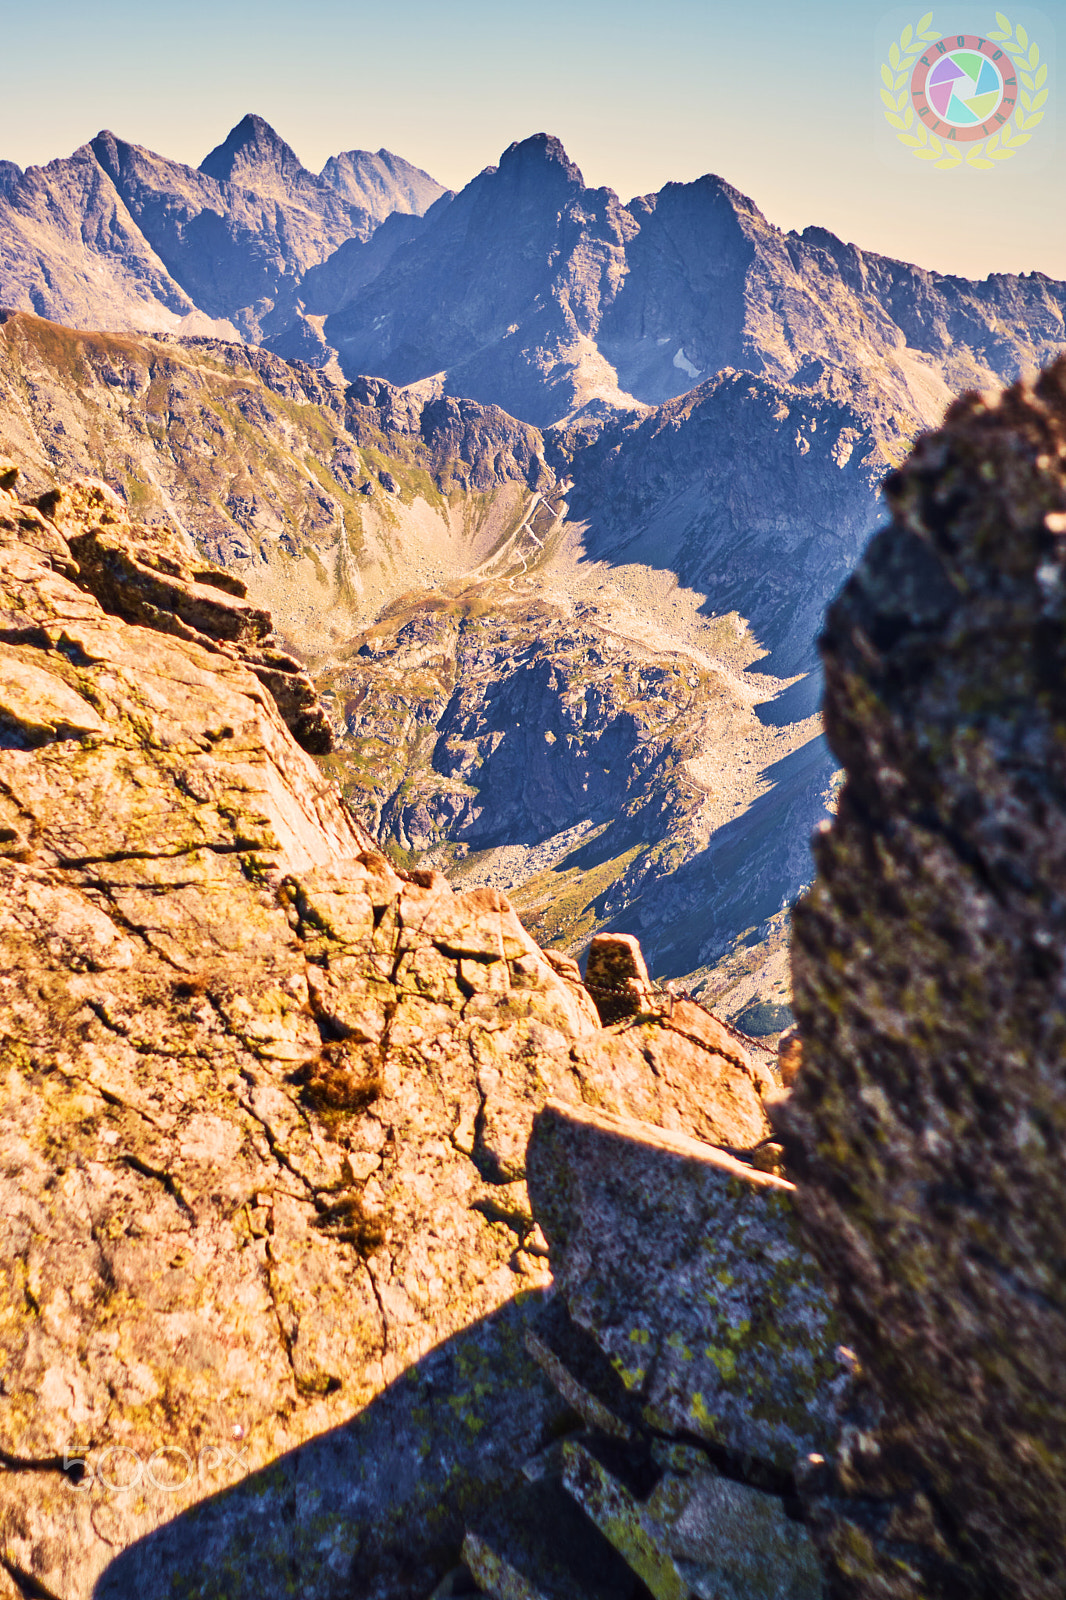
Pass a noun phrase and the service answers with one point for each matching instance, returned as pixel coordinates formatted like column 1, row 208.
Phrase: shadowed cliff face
column 928, row 1120
column 757, row 495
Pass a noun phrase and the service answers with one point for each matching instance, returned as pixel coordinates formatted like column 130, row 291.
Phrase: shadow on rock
column 376, row 1507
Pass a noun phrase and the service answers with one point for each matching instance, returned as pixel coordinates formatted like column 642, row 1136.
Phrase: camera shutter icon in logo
column 963, row 88
column 964, row 98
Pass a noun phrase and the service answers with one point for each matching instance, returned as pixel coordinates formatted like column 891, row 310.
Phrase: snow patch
column 683, row 364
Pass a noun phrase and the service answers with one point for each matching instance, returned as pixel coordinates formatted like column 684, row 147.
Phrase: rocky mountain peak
column 709, row 189
column 381, row 183
column 124, row 163
column 9, row 176
column 105, row 147
column 540, row 150
column 249, row 147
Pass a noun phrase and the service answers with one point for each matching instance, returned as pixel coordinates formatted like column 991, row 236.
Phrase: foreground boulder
column 267, row 1256
column 685, row 1267
column 927, row 1126
column 694, row 1341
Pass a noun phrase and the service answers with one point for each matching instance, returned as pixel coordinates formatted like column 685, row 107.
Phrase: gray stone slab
column 686, row 1268
column 536, row 1544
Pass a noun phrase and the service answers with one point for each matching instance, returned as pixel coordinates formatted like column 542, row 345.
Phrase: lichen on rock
column 685, row 1267
column 265, row 1104
column 927, row 1122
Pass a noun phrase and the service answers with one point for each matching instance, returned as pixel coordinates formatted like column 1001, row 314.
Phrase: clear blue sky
column 780, row 97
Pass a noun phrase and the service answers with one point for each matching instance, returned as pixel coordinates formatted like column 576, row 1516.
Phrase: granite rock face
column 694, row 1342
column 222, row 1019
column 927, row 1122
column 267, row 1256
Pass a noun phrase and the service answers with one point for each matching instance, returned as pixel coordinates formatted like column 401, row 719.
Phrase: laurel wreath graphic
column 1001, row 146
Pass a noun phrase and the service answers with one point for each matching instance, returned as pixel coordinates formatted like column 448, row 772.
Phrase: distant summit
column 381, row 183
column 117, row 237
column 540, row 149
column 251, row 148
column 254, row 155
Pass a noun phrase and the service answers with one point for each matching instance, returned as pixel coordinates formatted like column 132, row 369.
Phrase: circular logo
column 966, row 99
column 962, row 87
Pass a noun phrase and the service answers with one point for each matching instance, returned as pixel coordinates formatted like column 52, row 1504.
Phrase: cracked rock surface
column 694, row 1342
column 264, row 1225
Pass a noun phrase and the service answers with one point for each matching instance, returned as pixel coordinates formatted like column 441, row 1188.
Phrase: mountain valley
column 548, row 491
column 486, row 651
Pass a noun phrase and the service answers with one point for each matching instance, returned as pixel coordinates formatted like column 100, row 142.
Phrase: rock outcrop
column 927, row 1122
column 684, row 1266
column 266, row 1105
column 153, row 577
column 692, row 1337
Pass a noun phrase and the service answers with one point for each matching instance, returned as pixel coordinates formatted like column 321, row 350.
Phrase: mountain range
column 527, row 289
column 117, row 237
column 550, row 491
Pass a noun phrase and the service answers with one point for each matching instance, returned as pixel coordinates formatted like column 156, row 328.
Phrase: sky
column 779, row 97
